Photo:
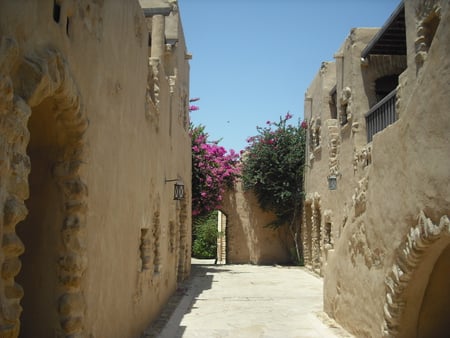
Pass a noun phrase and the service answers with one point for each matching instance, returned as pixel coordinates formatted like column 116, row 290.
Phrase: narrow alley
column 246, row 301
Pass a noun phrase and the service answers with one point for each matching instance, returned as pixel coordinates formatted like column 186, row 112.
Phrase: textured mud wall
column 100, row 126
column 335, row 148
column 248, row 240
column 394, row 226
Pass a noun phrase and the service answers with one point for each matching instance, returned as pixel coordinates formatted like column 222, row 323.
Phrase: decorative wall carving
column 362, row 158
column 172, row 83
column 36, row 78
column 345, row 109
column 316, row 137
column 334, row 142
column 359, row 197
column 359, row 246
column 145, row 250
column 312, row 231
column 306, row 232
column 153, row 89
column 410, row 255
column 428, row 14
column 184, row 248
column 156, row 241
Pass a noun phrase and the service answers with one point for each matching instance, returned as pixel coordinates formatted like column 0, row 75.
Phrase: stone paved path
column 246, row 301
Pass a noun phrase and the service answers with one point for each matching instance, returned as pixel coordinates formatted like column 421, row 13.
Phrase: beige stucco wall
column 114, row 244
column 248, row 240
column 337, row 145
column 390, row 216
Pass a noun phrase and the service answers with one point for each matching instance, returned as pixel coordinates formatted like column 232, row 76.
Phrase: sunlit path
column 250, row 301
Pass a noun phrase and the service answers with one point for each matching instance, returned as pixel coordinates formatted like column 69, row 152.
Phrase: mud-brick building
column 94, row 135
column 377, row 180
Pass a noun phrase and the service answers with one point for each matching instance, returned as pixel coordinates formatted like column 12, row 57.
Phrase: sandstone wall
column 387, row 268
column 333, row 146
column 248, row 241
column 104, row 241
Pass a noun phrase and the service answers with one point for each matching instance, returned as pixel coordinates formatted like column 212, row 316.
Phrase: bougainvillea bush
column 213, row 171
column 272, row 167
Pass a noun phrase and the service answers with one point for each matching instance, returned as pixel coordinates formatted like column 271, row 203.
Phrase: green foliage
column 204, row 239
column 273, row 168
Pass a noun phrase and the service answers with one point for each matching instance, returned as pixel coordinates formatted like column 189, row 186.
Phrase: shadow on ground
column 184, row 298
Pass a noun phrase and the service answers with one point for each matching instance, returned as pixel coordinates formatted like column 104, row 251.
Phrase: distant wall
column 248, row 240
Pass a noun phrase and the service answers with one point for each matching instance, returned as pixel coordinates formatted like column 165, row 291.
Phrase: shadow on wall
column 249, row 241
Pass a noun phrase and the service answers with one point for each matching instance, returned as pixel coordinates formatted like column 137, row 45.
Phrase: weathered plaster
column 101, row 123
column 384, row 185
column 248, row 238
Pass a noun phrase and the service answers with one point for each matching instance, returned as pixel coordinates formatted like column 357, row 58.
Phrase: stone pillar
column 306, row 233
column 221, row 238
column 158, row 36
column 315, row 234
column 339, row 57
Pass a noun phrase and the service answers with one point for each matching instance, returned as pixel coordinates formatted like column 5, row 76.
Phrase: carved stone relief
column 184, row 254
column 306, row 231
column 153, row 89
column 358, row 245
column 334, row 142
column 145, row 250
column 316, row 234
column 359, row 197
column 172, row 83
column 428, row 15
column 312, row 232
column 345, row 109
column 37, row 77
column 362, row 158
column 156, row 241
column 315, row 132
column 410, row 255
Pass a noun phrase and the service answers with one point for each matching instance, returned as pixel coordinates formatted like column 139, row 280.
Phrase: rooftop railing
column 381, row 115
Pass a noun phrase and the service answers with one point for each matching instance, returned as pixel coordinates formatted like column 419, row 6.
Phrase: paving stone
column 246, row 301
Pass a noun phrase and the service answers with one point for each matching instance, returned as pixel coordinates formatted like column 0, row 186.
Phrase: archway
column 434, row 318
column 40, row 231
column 41, row 84
column 417, row 285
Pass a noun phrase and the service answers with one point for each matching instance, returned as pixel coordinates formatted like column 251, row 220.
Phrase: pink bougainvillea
column 213, row 171
column 304, row 124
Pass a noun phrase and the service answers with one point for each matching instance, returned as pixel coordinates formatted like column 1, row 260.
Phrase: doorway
column 40, row 231
column 434, row 317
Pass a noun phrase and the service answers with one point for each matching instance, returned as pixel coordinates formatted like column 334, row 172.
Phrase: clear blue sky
column 254, row 59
